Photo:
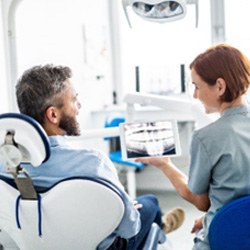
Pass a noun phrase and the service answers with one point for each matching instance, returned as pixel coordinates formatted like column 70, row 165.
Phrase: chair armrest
column 155, row 236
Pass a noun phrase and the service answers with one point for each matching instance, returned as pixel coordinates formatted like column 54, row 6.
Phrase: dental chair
column 76, row 213
column 230, row 227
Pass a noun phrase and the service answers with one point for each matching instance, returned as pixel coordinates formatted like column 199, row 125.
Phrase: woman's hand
column 198, row 225
column 159, row 162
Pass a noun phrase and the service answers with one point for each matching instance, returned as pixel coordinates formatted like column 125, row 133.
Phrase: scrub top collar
column 235, row 110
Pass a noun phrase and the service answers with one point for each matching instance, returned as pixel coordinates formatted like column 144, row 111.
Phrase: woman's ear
column 52, row 115
column 221, row 86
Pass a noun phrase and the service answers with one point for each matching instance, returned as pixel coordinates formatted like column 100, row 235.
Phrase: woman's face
column 208, row 95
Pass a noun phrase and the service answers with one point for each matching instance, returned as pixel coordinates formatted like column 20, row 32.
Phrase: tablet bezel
column 125, row 151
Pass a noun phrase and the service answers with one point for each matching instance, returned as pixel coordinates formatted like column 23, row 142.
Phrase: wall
column 69, row 33
column 4, row 99
column 162, row 46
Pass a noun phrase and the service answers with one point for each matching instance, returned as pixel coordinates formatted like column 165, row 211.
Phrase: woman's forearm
column 180, row 181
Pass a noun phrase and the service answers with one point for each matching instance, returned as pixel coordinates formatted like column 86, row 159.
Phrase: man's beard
column 69, row 125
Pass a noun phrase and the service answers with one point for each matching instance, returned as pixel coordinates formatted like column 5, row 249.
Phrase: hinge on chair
column 25, row 185
column 21, row 176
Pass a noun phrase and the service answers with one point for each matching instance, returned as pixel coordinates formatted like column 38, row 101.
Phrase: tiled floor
column 151, row 180
column 180, row 239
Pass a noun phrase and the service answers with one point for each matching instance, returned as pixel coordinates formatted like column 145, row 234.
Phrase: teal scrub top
column 220, row 163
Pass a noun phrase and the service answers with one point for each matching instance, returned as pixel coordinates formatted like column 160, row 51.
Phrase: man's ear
column 221, row 86
column 52, row 115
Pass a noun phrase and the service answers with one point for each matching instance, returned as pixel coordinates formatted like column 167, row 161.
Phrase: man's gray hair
column 41, row 87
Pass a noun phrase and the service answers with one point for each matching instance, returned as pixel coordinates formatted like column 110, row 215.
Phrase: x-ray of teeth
column 149, row 139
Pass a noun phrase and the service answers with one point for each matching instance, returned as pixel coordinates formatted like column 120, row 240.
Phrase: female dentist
column 219, row 169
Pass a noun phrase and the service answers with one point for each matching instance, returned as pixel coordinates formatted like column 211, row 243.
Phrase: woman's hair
column 41, row 87
column 227, row 62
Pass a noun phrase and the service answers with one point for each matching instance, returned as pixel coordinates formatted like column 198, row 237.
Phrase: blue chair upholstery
column 230, row 227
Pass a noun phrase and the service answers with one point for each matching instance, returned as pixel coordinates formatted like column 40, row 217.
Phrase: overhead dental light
column 159, row 10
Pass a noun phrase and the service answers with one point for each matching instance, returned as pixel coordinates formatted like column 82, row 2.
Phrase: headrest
column 30, row 145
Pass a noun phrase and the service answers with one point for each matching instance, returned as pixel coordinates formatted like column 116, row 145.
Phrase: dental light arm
column 178, row 105
column 183, row 107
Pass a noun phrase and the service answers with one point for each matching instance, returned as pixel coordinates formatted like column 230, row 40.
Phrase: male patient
column 46, row 93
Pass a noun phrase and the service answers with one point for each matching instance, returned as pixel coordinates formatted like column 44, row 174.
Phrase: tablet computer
column 149, row 139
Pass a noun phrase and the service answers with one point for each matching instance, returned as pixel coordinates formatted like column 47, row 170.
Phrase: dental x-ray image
column 147, row 139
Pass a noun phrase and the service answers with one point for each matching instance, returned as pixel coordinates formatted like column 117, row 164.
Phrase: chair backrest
column 230, row 227
column 22, row 140
column 74, row 214
column 29, row 138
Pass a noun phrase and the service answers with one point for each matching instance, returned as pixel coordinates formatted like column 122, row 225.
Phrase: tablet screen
column 149, row 139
